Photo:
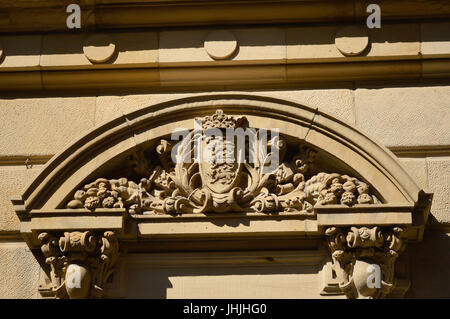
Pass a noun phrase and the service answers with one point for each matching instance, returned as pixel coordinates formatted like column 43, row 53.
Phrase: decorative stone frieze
column 80, row 263
column 364, row 259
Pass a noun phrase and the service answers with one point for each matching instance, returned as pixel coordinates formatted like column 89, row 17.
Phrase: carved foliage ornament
column 80, row 263
column 364, row 259
column 240, row 183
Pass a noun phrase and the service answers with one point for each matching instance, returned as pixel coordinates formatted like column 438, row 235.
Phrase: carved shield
column 220, row 164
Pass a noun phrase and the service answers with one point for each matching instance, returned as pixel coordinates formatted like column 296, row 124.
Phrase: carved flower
column 329, row 198
column 336, row 187
column 349, row 186
column 365, row 199
column 92, row 202
column 108, row 202
column 348, row 198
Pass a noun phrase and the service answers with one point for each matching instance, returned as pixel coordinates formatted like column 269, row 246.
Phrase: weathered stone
column 187, row 47
column 417, row 168
column 69, row 51
column 405, row 116
column 14, row 180
column 43, row 126
column 336, row 102
column 435, row 39
column 439, row 183
column 20, row 52
column 20, row 272
column 236, row 229
column 220, row 44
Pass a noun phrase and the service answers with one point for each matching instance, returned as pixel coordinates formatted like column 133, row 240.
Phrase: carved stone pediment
column 129, row 182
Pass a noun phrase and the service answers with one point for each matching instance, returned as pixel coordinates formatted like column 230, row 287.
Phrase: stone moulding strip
column 11, row 236
column 200, row 225
column 382, row 215
column 126, row 13
column 421, row 151
column 230, row 259
column 219, row 77
column 28, row 161
column 413, row 151
column 77, row 219
column 230, row 224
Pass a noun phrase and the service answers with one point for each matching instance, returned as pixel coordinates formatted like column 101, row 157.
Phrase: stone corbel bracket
column 364, row 259
column 79, row 247
column 365, row 242
column 81, row 263
column 75, row 237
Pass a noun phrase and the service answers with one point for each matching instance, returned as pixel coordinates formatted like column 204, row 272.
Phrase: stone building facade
column 94, row 188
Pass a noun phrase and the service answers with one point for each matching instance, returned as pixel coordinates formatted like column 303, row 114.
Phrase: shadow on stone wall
column 430, row 265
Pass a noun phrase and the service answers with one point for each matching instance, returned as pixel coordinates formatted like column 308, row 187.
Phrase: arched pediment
column 328, row 175
column 129, row 133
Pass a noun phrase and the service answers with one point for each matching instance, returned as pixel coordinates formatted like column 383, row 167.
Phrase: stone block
column 336, row 102
column 395, row 40
column 19, row 272
column 20, row 52
column 435, row 39
column 43, row 126
column 429, row 265
column 307, row 44
column 439, row 184
column 416, row 116
column 68, row 51
column 14, row 181
column 187, row 47
column 417, row 169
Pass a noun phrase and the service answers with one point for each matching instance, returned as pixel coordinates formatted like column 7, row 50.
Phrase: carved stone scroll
column 364, row 259
column 80, row 263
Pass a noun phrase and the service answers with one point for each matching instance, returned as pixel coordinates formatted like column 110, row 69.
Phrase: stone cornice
column 49, row 15
column 260, row 58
